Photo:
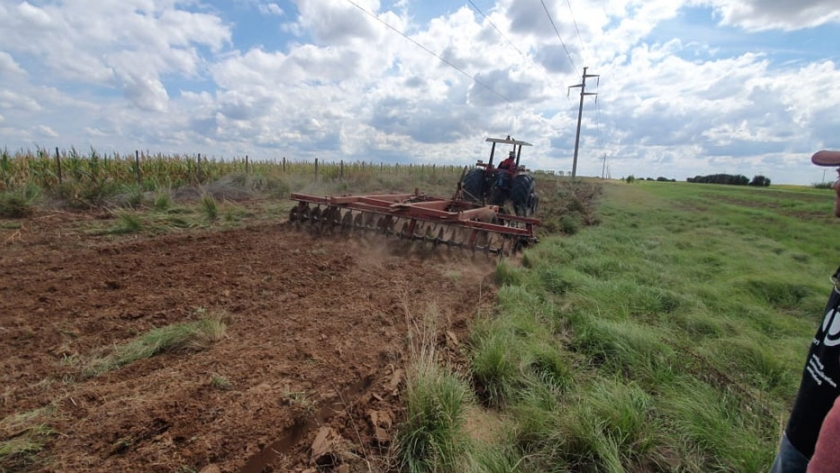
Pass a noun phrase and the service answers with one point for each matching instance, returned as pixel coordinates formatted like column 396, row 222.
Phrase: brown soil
column 316, row 337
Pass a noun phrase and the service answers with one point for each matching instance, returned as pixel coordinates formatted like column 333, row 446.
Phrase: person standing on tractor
column 812, row 435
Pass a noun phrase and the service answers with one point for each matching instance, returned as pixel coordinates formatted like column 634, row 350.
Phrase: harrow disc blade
column 347, row 223
column 305, row 215
column 370, row 220
column 439, row 237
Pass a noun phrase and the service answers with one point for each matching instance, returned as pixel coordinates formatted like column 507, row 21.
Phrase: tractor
column 486, row 184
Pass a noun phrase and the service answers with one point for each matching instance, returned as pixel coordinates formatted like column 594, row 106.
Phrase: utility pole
column 583, row 93
column 604, row 166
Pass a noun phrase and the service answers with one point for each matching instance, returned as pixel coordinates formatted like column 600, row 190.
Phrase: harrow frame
column 452, row 222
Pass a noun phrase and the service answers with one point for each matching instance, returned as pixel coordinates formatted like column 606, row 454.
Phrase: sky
column 684, row 87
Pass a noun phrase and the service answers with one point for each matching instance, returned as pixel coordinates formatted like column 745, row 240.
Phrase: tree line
column 732, row 179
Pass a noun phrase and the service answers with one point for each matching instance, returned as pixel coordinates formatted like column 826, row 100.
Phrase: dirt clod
column 327, row 447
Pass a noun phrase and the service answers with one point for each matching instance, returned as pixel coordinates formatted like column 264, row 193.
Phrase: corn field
column 48, row 170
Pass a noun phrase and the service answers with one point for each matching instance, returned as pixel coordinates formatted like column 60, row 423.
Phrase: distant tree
column 760, row 181
column 735, row 180
column 631, row 179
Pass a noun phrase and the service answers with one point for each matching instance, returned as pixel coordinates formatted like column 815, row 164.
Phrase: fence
column 147, row 170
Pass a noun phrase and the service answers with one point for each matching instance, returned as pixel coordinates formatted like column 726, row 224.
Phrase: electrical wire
column 429, row 51
column 558, row 34
column 497, row 29
column 582, row 46
column 539, row 69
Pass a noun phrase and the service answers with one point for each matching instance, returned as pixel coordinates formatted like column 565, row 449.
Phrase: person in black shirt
column 820, row 384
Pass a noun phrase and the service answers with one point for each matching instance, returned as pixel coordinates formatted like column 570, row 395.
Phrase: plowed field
column 317, row 334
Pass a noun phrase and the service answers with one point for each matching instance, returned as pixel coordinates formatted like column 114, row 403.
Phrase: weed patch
column 185, row 337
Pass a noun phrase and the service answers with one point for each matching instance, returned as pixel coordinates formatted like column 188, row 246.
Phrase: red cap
column 826, row 158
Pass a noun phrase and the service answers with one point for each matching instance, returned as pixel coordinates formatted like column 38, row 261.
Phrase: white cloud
column 44, row 131
column 114, row 44
column 758, row 15
column 146, row 92
column 13, row 100
column 336, row 21
column 95, row 132
column 8, row 66
column 271, row 9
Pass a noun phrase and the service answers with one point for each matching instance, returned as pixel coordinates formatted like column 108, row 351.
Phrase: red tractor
column 507, row 183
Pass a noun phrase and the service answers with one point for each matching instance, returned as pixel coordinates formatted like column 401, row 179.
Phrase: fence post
column 381, row 167
column 341, row 170
column 284, row 165
column 137, row 167
column 246, row 164
column 58, row 164
column 316, row 169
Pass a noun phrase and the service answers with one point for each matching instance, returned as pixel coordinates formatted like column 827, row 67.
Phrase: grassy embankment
column 668, row 338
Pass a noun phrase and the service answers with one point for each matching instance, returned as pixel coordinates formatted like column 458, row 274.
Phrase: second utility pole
column 583, row 93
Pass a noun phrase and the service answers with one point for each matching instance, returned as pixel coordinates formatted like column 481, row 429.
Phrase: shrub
column 14, row 205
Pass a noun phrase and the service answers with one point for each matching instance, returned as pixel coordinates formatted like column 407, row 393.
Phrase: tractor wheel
column 473, row 185
column 535, row 201
column 522, row 195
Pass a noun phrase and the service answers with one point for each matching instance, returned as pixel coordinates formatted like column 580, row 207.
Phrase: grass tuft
column 222, row 383
column 433, row 437
column 127, row 222
column 493, row 367
column 24, row 436
column 210, row 207
column 14, row 205
column 185, row 337
column 163, row 202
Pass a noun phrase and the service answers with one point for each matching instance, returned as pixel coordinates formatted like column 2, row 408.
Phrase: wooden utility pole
column 583, row 94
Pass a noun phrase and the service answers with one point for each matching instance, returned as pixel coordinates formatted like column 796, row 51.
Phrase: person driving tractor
column 509, row 166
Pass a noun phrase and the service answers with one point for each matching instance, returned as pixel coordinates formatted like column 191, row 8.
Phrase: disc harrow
column 452, row 223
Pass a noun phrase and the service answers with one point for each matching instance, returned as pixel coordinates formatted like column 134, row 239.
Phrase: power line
column 428, row 51
column 558, row 34
column 539, row 69
column 497, row 29
column 598, row 115
column 582, row 47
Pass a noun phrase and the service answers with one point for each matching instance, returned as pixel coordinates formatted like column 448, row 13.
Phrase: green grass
column 24, row 435
column 222, row 383
column 669, row 337
column 184, row 337
column 209, row 207
column 127, row 222
column 433, row 436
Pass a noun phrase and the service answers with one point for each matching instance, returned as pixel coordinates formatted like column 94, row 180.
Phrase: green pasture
column 669, row 337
